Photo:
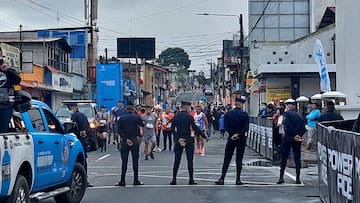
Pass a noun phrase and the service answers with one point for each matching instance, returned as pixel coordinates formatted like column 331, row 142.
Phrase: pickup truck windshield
column 86, row 109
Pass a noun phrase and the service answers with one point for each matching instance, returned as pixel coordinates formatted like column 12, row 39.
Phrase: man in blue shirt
column 312, row 119
column 236, row 123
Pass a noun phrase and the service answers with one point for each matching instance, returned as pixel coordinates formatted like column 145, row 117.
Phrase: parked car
column 87, row 107
column 208, row 91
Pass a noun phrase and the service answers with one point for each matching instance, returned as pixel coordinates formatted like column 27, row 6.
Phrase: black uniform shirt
column 81, row 120
column 129, row 125
column 293, row 125
column 180, row 127
column 236, row 121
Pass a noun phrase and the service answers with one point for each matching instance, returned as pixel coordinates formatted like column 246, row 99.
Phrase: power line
column 157, row 13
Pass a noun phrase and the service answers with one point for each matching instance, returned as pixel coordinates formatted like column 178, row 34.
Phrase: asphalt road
column 104, row 173
column 190, row 96
column 260, row 181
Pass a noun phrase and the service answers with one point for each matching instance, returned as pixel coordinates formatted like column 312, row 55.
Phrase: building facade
column 278, row 20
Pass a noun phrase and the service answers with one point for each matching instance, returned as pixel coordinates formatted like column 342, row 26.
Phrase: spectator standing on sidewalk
column 149, row 132
column 184, row 140
column 236, row 124
column 129, row 125
column 356, row 125
column 312, row 118
column 294, row 128
column 221, row 124
column 330, row 114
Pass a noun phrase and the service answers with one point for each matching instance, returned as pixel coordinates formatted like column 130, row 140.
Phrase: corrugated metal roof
column 62, row 41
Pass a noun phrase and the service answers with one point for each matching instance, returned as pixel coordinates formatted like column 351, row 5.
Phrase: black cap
column 72, row 104
column 185, row 103
column 240, row 100
column 103, row 107
column 330, row 103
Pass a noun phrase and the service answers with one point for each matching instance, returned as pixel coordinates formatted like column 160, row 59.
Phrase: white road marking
column 246, row 184
column 292, row 177
column 103, row 157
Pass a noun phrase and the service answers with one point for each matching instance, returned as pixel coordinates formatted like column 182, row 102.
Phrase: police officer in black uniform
column 81, row 132
column 129, row 125
column 180, row 128
column 236, row 124
column 8, row 78
column 294, row 128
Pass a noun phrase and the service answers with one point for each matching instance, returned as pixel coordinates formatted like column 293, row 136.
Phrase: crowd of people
column 187, row 127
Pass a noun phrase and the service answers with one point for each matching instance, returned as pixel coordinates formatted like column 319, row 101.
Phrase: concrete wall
column 318, row 8
column 297, row 52
column 347, row 46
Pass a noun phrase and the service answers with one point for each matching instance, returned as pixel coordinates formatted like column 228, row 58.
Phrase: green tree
column 175, row 56
column 202, row 80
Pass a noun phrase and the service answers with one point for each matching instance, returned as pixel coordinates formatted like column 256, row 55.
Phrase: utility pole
column 153, row 82
column 241, row 49
column 137, row 80
column 20, row 33
column 223, row 76
column 106, row 55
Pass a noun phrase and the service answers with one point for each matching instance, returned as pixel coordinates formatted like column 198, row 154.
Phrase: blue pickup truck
column 40, row 158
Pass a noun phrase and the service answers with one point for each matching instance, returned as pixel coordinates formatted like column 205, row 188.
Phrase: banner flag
column 321, row 63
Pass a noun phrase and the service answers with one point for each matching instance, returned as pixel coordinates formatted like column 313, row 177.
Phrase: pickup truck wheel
column 77, row 186
column 20, row 193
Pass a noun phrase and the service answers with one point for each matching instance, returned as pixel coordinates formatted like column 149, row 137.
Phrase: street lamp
column 241, row 46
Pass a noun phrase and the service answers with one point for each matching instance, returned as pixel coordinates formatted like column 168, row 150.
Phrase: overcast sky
column 173, row 23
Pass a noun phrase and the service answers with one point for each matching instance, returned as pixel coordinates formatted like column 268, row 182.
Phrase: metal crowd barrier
column 260, row 136
column 339, row 163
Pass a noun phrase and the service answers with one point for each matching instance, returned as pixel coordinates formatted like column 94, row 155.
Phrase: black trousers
column 124, row 152
column 5, row 115
column 285, row 150
column 240, row 145
column 167, row 134
column 83, row 143
column 189, row 149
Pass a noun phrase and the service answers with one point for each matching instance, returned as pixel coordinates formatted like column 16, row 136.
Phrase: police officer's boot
column 136, row 179
column 191, row 179
column 238, row 181
column 281, row 179
column 122, row 181
column 298, row 176
column 220, row 181
column 173, row 182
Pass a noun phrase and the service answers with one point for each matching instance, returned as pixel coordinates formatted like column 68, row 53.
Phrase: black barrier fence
column 339, row 163
column 261, row 136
